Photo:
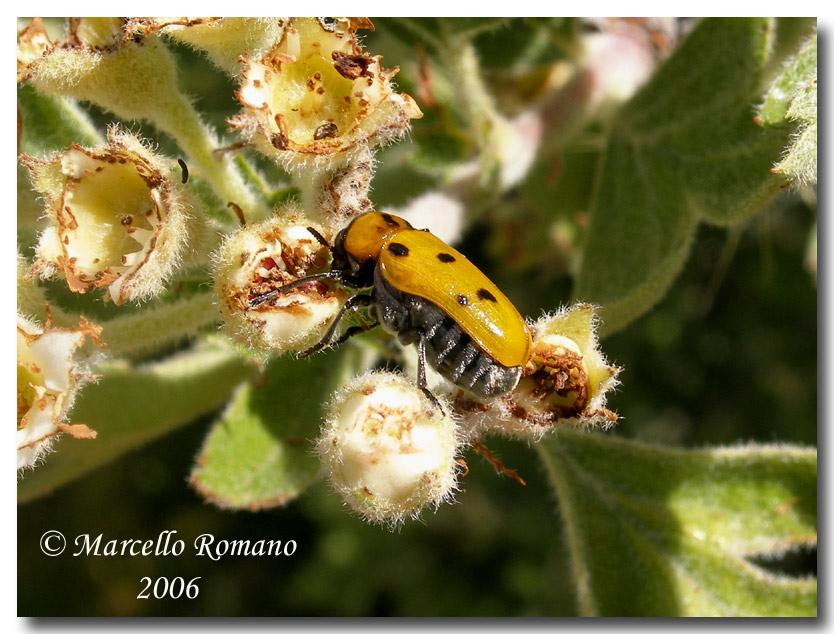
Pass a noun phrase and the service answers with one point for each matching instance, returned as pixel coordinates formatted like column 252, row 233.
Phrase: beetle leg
column 421, row 373
column 354, row 302
column 353, row 330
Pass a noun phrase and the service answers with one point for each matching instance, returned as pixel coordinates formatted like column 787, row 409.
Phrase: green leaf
column 684, row 149
column 260, row 454
column 128, row 407
column 50, row 124
column 440, row 150
column 670, row 532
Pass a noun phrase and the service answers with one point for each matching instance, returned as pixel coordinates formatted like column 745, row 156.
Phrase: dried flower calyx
column 117, row 219
column 318, row 94
column 567, row 377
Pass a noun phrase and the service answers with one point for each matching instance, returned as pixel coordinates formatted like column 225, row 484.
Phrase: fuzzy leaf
column 684, row 149
column 128, row 407
column 50, row 124
column 654, row 531
column 259, row 454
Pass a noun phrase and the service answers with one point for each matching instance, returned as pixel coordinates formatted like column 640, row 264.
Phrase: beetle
column 427, row 293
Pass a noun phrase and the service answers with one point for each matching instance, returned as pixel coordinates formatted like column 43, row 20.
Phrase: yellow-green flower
column 317, row 96
column 120, row 218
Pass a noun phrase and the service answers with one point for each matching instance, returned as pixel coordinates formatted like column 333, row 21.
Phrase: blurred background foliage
column 729, row 355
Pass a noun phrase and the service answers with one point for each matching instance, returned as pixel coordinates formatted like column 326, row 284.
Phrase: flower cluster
column 386, row 474
column 128, row 224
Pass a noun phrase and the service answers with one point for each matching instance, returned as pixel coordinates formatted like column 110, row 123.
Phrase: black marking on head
column 445, row 257
column 398, row 249
column 463, row 300
column 390, row 220
column 485, row 294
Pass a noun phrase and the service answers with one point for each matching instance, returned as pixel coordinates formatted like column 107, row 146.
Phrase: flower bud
column 387, row 450
column 566, row 379
column 262, row 257
column 317, row 97
column 48, row 378
column 224, row 40
column 119, row 218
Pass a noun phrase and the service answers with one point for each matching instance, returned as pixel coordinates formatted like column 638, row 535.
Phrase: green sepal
column 796, row 72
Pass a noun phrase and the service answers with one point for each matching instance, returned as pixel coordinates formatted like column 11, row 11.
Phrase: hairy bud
column 387, row 450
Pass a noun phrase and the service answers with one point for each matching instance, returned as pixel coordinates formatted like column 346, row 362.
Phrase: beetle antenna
column 260, row 299
column 319, row 238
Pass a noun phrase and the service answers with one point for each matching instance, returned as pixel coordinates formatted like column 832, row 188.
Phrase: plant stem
column 477, row 107
column 155, row 326
column 180, row 120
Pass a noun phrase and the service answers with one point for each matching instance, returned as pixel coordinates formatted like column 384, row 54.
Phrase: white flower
column 387, row 450
column 48, row 377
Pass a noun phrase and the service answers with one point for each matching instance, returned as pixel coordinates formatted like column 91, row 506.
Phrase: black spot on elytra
column 445, row 257
column 463, row 300
column 398, row 249
column 390, row 220
column 485, row 294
